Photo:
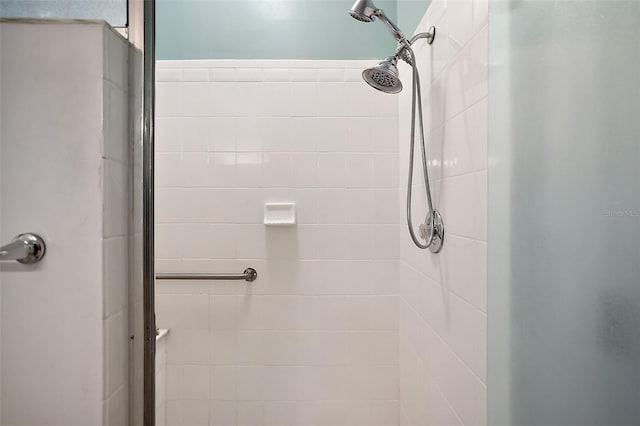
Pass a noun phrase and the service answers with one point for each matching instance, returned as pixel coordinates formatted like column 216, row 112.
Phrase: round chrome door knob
column 27, row 248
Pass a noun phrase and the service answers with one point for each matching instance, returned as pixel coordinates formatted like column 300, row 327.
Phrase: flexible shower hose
column 416, row 98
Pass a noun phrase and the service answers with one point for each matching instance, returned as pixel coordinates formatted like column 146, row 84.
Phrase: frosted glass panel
column 564, row 213
column 112, row 11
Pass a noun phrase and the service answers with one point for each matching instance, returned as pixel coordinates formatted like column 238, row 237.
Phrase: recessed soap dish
column 280, row 214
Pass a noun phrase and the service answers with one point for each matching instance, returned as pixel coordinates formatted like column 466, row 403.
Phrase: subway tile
column 467, row 78
column 385, row 206
column 223, row 383
column 301, row 99
column 222, row 74
column 193, row 169
column 353, row 75
column 330, row 74
column 460, row 14
column 303, row 134
column 195, row 346
column 249, row 170
column 276, row 134
column 115, row 198
column 171, row 175
column 266, row 313
column 224, row 347
column 330, row 99
column 267, row 383
column 363, row 101
column 277, row 170
column 195, row 74
column 332, row 170
column 168, row 135
column 196, row 132
column 222, row 170
column 247, row 132
column 117, row 408
column 330, row 134
column 175, row 381
column 250, row 241
column 250, row 413
column 463, row 205
column 225, row 312
column 385, row 170
column 268, row 348
column 188, row 412
column 305, row 170
column 359, row 170
column 196, row 379
column 223, row 413
column 480, row 14
column 183, row 311
column 115, row 274
column 276, row 74
column 116, row 124
column 465, row 143
column 116, row 329
column 223, row 134
column 468, row 335
column 334, row 206
column 169, row 99
column 249, row 74
column 279, row 413
column 320, row 313
column 470, row 282
column 303, row 74
column 168, row 75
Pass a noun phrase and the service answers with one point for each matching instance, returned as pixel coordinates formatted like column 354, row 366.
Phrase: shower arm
column 429, row 35
column 404, row 51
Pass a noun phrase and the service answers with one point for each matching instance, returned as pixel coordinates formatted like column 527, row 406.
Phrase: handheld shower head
column 384, row 76
column 363, row 10
column 366, row 11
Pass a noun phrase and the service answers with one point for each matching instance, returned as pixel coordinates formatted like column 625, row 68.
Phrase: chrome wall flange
column 433, row 228
column 429, row 35
column 251, row 274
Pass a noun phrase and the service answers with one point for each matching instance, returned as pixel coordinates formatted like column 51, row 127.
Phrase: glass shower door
column 564, row 213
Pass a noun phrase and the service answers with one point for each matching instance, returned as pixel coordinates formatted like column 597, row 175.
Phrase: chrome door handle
column 25, row 248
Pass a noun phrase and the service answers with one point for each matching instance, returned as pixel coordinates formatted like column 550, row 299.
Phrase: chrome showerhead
column 363, row 10
column 384, row 76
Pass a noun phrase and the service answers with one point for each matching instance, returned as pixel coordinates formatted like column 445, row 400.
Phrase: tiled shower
column 315, row 337
column 347, row 324
column 159, row 148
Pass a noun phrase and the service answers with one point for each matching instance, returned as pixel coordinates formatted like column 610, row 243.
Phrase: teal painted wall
column 410, row 13
column 269, row 29
column 246, row 29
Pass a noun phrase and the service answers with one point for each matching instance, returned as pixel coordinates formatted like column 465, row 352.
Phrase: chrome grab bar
column 25, row 248
column 249, row 274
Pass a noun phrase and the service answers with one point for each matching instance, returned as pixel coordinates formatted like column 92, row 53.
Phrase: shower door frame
column 148, row 154
column 141, row 32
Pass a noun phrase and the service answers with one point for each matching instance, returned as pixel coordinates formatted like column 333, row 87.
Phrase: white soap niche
column 280, row 214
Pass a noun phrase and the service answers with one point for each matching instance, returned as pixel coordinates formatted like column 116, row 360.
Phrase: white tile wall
column 443, row 308
column 161, row 378
column 65, row 321
column 314, row 340
column 116, row 182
